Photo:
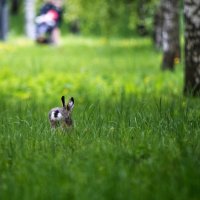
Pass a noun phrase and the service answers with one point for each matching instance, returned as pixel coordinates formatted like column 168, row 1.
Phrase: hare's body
column 62, row 115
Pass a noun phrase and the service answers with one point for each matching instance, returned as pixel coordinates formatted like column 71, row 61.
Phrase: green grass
column 135, row 135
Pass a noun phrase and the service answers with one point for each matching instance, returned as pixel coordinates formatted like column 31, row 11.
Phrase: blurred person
column 48, row 22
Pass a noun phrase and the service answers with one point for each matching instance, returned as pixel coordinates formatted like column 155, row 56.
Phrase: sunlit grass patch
column 102, row 41
column 6, row 48
column 86, row 67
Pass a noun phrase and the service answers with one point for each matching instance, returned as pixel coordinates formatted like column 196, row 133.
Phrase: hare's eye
column 56, row 113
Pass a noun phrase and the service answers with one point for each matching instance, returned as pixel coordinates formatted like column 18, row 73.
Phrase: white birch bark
column 29, row 9
column 192, row 46
column 170, row 35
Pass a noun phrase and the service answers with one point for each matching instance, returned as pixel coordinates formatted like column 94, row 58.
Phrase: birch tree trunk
column 192, row 47
column 170, row 35
column 29, row 7
column 3, row 19
column 158, row 28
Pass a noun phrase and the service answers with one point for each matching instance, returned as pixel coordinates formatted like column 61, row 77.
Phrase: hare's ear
column 63, row 100
column 70, row 104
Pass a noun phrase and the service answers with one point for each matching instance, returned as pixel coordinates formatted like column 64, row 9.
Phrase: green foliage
column 104, row 17
column 135, row 136
column 110, row 17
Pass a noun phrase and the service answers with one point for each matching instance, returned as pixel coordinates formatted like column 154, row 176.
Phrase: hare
column 62, row 115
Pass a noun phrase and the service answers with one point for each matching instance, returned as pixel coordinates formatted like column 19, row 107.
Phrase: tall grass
column 135, row 136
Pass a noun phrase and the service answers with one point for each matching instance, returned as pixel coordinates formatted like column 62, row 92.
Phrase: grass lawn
column 135, row 135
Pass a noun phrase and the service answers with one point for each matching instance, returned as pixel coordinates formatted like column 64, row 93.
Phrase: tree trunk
column 170, row 35
column 29, row 6
column 3, row 19
column 158, row 28
column 15, row 7
column 192, row 47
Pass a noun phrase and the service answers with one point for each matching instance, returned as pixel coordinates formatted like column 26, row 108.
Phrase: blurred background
column 118, row 18
column 150, row 29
